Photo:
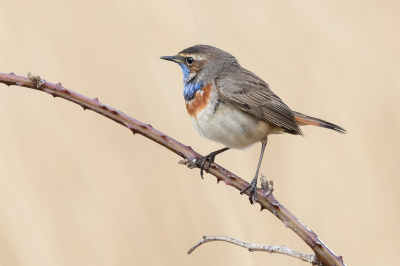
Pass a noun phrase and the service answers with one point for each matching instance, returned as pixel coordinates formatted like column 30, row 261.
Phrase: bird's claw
column 253, row 191
column 202, row 161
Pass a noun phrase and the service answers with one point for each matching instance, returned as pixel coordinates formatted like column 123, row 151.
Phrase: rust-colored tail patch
column 303, row 120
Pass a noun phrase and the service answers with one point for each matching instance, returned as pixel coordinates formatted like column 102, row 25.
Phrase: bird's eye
column 190, row 60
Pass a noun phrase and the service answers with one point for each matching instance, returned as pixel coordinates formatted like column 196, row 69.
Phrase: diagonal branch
column 324, row 255
column 256, row 247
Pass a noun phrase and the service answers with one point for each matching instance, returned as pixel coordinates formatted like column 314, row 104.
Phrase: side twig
column 256, row 247
column 324, row 255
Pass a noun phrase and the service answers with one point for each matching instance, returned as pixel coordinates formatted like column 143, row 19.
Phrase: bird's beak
column 172, row 58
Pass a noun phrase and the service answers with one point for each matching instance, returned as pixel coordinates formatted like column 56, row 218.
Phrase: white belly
column 226, row 124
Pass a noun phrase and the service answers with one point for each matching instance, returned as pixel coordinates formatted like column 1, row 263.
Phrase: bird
column 232, row 106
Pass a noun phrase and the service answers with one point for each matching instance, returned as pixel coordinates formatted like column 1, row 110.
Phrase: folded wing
column 251, row 94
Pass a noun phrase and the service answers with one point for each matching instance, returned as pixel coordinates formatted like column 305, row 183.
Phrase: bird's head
column 203, row 62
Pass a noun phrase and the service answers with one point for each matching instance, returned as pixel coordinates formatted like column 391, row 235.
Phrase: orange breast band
column 200, row 101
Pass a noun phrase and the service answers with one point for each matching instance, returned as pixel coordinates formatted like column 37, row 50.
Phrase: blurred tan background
column 79, row 189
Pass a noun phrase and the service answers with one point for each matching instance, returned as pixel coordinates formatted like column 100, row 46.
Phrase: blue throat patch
column 191, row 87
column 185, row 71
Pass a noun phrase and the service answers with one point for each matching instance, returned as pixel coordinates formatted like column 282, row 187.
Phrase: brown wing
column 252, row 95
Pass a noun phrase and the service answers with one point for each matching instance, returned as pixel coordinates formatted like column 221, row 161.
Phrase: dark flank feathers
column 308, row 120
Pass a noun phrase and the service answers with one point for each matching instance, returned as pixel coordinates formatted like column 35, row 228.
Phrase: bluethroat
column 232, row 106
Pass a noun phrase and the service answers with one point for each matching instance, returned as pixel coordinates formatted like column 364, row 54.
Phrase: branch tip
column 256, row 247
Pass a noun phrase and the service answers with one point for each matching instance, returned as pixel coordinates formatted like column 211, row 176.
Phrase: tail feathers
column 308, row 120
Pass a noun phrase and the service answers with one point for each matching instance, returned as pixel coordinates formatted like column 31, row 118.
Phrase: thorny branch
column 256, row 247
column 324, row 255
column 268, row 187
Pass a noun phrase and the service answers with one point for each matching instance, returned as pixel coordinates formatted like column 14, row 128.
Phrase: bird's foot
column 253, row 190
column 202, row 161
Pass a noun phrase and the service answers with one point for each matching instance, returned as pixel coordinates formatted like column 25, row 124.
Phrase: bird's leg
column 210, row 158
column 253, row 184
